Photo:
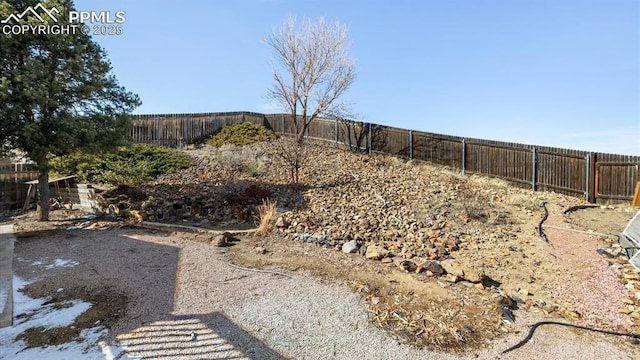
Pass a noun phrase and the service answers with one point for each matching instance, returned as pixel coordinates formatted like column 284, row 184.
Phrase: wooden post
column 411, row 144
column 306, row 126
column 591, row 166
column 158, row 131
column 370, row 140
column 596, row 186
column 534, row 168
column 636, row 195
column 464, row 156
column 284, row 130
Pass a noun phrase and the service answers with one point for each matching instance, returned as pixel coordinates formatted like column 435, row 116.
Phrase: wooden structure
column 597, row 177
column 68, row 181
column 636, row 196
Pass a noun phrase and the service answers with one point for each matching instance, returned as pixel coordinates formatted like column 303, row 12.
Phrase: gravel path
column 186, row 302
column 595, row 300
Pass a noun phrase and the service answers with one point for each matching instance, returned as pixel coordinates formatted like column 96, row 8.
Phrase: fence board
column 438, row 149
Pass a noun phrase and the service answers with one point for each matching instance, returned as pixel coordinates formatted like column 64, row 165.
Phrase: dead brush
column 478, row 207
column 266, row 217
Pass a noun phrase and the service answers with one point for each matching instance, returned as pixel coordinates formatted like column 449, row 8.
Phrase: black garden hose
column 544, row 218
column 540, row 323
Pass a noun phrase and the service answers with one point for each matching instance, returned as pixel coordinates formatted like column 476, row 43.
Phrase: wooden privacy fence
column 176, row 130
column 598, row 177
column 13, row 189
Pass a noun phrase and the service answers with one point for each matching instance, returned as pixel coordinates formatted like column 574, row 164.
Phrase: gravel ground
column 186, row 302
column 595, row 300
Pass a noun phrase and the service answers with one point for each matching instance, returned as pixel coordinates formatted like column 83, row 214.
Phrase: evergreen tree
column 57, row 93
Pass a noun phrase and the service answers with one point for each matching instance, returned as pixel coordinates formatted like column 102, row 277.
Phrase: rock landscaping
column 435, row 252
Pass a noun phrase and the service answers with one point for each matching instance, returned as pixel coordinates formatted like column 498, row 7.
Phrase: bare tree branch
column 312, row 70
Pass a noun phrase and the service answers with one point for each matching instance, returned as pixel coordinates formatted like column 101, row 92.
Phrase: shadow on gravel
column 205, row 336
column 69, row 264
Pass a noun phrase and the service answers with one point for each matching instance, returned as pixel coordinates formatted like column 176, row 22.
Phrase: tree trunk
column 43, row 188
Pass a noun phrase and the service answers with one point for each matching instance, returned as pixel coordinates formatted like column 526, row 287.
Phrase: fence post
column 370, row 139
column 534, row 168
column 158, row 130
column 186, row 132
column 336, row 131
column 464, row 155
column 587, row 160
column 592, row 180
column 411, row 144
column 284, row 130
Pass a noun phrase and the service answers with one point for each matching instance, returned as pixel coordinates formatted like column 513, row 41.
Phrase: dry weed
column 454, row 173
column 484, row 180
column 529, row 202
column 267, row 215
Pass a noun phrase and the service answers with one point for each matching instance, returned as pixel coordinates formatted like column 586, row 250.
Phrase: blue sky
column 561, row 73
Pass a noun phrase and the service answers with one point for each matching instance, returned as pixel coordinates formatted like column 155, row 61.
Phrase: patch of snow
column 37, row 263
column 31, row 313
column 62, row 263
column 113, row 352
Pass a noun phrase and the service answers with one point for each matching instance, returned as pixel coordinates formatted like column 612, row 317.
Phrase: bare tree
column 312, row 70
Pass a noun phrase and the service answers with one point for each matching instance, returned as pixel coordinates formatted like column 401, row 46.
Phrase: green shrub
column 130, row 165
column 241, row 134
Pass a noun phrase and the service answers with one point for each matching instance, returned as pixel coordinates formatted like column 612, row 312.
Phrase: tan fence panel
column 563, row 171
column 508, row 161
column 437, row 149
column 617, row 176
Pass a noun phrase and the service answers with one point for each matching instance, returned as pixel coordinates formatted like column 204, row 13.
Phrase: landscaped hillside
column 443, row 259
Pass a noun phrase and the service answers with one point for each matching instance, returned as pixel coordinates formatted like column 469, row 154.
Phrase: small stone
column 572, row 314
column 507, row 302
column 222, row 239
column 452, row 278
column 479, row 286
column 219, row 241
column 407, row 265
column 625, row 311
column 387, row 260
column 431, row 266
column 453, row 266
column 628, row 301
column 508, row 316
column 375, row 252
column 281, row 222
column 524, row 292
column 261, row 250
column 350, row 247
